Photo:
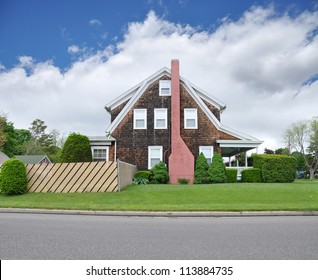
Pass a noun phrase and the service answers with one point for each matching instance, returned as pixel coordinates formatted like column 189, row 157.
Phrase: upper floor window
column 190, row 118
column 208, row 152
column 140, row 118
column 160, row 118
column 164, row 88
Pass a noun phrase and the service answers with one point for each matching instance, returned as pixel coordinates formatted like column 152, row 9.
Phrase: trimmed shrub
column 144, row 174
column 183, row 181
column 276, row 168
column 216, row 171
column 231, row 174
column 13, row 177
column 76, row 149
column 159, row 174
column 140, row 181
column 251, row 175
column 201, row 170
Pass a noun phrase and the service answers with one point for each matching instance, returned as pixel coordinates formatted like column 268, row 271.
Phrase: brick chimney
column 181, row 160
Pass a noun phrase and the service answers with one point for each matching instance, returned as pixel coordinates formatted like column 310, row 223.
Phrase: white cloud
column 95, row 22
column 255, row 65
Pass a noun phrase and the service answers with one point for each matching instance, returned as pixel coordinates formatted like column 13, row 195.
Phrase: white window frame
column 93, row 148
column 150, row 149
column 201, row 148
column 144, row 118
column 188, row 114
column 164, row 84
column 161, row 114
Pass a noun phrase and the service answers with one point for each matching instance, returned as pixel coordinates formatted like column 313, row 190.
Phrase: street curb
column 161, row 213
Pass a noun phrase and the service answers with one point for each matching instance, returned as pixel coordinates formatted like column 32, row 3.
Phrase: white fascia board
column 143, row 86
column 207, row 97
column 239, row 143
column 212, row 118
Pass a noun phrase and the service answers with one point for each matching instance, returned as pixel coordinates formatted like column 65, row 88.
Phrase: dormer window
column 164, row 88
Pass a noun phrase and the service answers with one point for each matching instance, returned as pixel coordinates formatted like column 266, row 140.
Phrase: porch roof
column 233, row 147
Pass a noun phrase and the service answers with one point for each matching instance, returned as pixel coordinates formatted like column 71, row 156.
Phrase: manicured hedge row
column 231, row 174
column 251, row 175
column 276, row 168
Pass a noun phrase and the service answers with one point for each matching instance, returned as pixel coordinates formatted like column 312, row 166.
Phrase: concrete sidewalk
column 161, row 214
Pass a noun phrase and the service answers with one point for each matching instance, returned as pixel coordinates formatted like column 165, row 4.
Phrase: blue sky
column 45, row 29
column 62, row 61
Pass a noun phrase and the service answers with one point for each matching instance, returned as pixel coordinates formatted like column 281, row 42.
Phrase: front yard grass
column 300, row 195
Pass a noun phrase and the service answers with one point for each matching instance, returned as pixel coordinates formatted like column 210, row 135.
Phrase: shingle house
column 34, row 159
column 167, row 118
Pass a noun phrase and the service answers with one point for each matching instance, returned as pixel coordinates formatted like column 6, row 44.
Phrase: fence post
column 118, row 174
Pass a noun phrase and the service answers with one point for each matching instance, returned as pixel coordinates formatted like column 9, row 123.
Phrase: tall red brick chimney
column 181, row 160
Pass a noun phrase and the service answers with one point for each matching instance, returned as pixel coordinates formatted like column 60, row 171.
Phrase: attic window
column 164, row 88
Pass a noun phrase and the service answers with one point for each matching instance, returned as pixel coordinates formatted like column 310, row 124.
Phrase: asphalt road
column 51, row 236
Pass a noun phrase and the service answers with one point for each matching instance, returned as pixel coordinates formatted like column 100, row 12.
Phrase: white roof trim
column 239, row 143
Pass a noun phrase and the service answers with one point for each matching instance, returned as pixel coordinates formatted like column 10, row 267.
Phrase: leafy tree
column 41, row 142
column 3, row 121
column 13, row 177
column 201, row 170
column 76, row 149
column 302, row 137
column 217, row 172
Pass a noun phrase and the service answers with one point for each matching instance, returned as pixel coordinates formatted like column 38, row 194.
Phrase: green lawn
column 300, row 195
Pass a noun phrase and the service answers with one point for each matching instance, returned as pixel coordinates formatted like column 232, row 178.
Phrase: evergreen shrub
column 251, row 175
column 13, row 177
column 201, row 170
column 231, row 174
column 144, row 174
column 276, row 168
column 216, row 171
column 159, row 174
column 183, row 181
column 76, row 148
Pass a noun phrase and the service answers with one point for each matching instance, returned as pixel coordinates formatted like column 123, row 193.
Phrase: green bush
column 276, row 168
column 201, row 170
column 183, row 181
column 140, row 181
column 231, row 174
column 159, row 174
column 216, row 170
column 251, row 175
column 144, row 174
column 13, row 177
column 76, row 149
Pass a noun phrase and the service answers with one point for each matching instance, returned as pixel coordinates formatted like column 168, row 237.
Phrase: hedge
column 231, row 174
column 143, row 174
column 13, row 177
column 276, row 168
column 251, row 175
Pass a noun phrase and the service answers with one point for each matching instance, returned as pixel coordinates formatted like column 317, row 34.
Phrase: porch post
column 245, row 159
column 230, row 163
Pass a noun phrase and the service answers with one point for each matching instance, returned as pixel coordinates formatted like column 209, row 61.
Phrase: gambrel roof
column 195, row 92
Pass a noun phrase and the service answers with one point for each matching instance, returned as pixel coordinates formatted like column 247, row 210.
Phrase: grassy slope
column 300, row 195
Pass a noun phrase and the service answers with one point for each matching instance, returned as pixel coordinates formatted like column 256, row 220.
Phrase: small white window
column 160, row 118
column 140, row 118
column 100, row 153
column 164, row 88
column 208, row 152
column 190, row 118
column 154, row 155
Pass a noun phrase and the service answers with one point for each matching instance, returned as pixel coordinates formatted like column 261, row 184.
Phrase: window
column 208, row 152
column 164, row 88
column 160, row 118
column 154, row 155
column 140, row 118
column 100, row 153
column 190, row 118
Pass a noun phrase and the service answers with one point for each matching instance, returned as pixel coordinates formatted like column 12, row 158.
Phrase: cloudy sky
column 62, row 61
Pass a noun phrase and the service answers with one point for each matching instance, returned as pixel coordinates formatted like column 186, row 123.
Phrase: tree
column 41, row 142
column 76, row 148
column 3, row 121
column 217, row 172
column 201, row 170
column 302, row 137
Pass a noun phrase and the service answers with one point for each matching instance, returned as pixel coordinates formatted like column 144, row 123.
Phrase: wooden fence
column 79, row 177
